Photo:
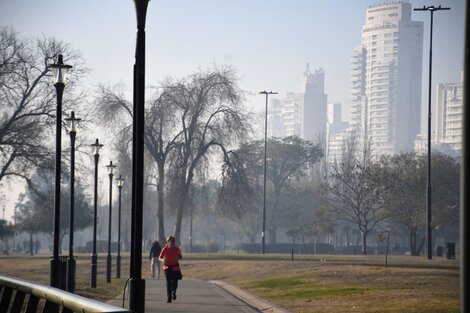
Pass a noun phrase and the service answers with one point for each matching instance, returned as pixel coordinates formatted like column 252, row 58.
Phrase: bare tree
column 183, row 121
column 27, row 99
column 352, row 194
column 211, row 116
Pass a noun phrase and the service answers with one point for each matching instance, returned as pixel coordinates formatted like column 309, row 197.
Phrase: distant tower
column 335, row 133
column 314, row 106
column 275, row 126
column 449, row 115
column 386, row 80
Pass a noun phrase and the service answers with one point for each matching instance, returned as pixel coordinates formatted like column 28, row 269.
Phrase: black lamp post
column 428, row 185
column 72, row 122
column 120, row 182
column 94, row 257
column 136, row 283
column 263, row 233
column 111, row 168
column 59, row 74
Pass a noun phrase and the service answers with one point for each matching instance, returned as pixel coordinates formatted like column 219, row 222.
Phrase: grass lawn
column 305, row 284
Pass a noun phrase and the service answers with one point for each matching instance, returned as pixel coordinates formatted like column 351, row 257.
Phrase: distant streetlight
column 111, row 168
column 59, row 75
column 72, row 122
column 120, row 182
column 94, row 257
column 263, row 233
column 428, row 186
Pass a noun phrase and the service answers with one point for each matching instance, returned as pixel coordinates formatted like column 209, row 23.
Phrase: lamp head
column 111, row 167
column 96, row 147
column 59, row 71
column 72, row 122
column 120, row 181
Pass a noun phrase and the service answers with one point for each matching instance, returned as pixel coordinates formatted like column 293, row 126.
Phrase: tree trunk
column 30, row 243
column 421, row 245
column 364, row 243
column 160, row 204
column 272, row 234
column 413, row 234
column 180, row 212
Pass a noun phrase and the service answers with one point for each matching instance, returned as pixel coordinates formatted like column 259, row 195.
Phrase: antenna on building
column 307, row 70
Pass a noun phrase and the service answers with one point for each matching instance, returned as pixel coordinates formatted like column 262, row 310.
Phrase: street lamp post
column 94, row 257
column 428, row 185
column 136, row 283
column 120, row 182
column 59, row 74
column 111, row 168
column 72, row 122
column 263, row 233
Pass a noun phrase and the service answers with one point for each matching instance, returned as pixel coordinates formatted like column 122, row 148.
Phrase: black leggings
column 171, row 281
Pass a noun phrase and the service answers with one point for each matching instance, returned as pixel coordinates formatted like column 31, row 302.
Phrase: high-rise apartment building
column 335, row 133
column 314, row 106
column 275, row 127
column 386, row 80
column 302, row 114
column 449, row 115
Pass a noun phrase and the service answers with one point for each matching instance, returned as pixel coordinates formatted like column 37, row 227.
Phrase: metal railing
column 17, row 294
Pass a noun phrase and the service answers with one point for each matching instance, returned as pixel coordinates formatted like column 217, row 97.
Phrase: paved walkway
column 201, row 296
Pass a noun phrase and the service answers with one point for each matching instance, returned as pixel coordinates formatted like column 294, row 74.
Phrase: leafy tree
column 36, row 206
column 404, row 177
column 27, row 99
column 287, row 159
column 6, row 230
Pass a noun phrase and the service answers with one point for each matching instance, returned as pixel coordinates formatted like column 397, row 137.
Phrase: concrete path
column 201, row 296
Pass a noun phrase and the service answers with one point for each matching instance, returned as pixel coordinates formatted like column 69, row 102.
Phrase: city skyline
column 268, row 42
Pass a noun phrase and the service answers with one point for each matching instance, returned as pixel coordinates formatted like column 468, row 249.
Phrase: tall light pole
column 120, row 182
column 59, row 74
column 72, row 122
column 111, row 168
column 94, row 257
column 428, row 185
column 136, row 283
column 263, row 233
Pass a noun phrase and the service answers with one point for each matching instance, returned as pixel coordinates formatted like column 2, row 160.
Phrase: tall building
column 302, row 114
column 386, row 80
column 275, row 127
column 449, row 115
column 292, row 114
column 335, row 133
column 314, row 106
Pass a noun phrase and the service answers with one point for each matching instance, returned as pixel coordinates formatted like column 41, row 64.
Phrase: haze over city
column 268, row 42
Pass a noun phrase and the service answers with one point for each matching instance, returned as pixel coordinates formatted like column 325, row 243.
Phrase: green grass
column 294, row 287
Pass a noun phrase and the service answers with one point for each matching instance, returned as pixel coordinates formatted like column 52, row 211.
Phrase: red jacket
column 172, row 257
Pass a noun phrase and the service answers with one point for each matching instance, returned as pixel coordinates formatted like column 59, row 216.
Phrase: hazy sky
column 269, row 42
